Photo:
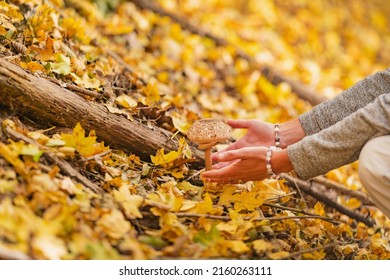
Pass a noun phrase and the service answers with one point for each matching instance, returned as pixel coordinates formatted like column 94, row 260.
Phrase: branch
column 307, row 188
column 343, row 190
column 302, row 91
column 293, row 255
column 84, row 92
column 66, row 168
column 227, row 218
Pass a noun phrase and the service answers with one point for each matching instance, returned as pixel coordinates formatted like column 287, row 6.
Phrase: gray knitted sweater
column 337, row 130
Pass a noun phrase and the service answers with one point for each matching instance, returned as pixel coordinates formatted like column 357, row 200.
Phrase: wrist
column 281, row 162
column 290, row 132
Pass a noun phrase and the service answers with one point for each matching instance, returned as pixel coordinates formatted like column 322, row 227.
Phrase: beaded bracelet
column 277, row 136
column 268, row 165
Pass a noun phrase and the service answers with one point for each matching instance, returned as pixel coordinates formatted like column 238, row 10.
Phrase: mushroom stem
column 207, row 155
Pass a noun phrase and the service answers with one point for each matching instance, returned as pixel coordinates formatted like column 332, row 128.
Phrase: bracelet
column 277, row 136
column 268, row 165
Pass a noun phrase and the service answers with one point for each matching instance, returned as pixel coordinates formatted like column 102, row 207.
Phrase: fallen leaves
column 151, row 70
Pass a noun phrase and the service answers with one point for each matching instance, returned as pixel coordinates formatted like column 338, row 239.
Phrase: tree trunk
column 49, row 104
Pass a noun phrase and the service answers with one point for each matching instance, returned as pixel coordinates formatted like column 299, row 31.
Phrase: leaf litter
column 162, row 73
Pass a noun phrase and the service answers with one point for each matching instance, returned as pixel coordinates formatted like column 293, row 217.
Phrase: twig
column 278, row 197
column 343, row 190
column 7, row 254
column 293, row 255
column 83, row 91
column 302, row 91
column 76, row 89
column 96, row 156
column 66, row 168
column 227, row 218
column 289, row 209
column 307, row 188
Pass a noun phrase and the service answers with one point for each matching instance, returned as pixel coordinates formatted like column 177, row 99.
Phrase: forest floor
column 66, row 194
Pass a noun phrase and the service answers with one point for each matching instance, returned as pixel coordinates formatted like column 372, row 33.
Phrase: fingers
column 222, row 164
column 240, row 123
column 234, row 146
column 234, row 155
column 223, row 175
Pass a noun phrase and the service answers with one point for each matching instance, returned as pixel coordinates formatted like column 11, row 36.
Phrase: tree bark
column 49, row 104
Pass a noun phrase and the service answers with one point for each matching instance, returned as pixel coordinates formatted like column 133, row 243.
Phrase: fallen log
column 47, row 103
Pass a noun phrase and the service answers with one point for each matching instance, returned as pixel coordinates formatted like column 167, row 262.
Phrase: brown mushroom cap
column 209, row 130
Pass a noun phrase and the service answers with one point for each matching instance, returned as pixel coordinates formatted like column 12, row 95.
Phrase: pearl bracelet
column 268, row 165
column 277, row 136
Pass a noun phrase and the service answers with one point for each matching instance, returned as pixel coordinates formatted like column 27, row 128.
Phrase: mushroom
column 207, row 133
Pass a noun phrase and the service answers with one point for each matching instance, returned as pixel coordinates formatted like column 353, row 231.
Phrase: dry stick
column 293, row 255
column 287, row 208
column 7, row 254
column 302, row 91
column 343, row 190
column 307, row 188
column 227, row 218
column 76, row 89
column 66, row 168
column 96, row 156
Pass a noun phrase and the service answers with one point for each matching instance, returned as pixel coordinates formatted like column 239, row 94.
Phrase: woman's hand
column 259, row 134
column 247, row 164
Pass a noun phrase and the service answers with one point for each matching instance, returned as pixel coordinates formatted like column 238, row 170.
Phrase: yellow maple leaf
column 114, row 224
column 33, row 66
column 126, row 101
column 152, row 94
column 48, row 52
column 352, row 203
column 246, row 200
column 164, row 159
column 130, row 203
column 85, row 145
column 13, row 159
column 207, row 207
column 319, row 209
column 86, row 81
column 173, row 157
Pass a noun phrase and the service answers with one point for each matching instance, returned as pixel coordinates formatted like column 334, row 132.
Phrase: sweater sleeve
column 347, row 102
column 341, row 143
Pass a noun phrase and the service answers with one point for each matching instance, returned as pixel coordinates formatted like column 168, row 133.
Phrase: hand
column 245, row 164
column 262, row 134
column 259, row 134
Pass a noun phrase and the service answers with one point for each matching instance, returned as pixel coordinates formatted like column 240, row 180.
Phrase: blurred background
column 330, row 44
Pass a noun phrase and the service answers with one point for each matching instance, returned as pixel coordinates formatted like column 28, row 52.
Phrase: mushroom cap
column 209, row 130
